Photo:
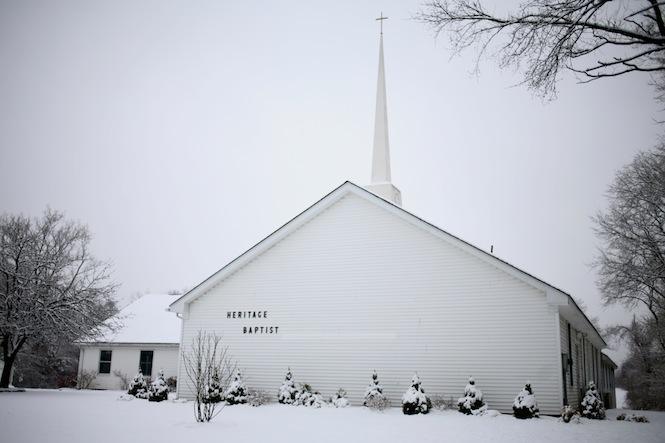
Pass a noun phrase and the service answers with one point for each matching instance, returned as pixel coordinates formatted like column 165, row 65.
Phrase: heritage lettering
column 246, row 314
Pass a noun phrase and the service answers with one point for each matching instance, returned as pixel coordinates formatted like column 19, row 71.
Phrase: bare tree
column 207, row 361
column 631, row 263
column 594, row 38
column 51, row 288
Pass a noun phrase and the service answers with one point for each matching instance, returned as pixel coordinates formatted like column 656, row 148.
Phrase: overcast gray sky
column 184, row 132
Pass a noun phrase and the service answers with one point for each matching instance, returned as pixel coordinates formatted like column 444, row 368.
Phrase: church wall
column 358, row 288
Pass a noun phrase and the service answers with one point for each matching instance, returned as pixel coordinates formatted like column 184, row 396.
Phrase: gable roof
column 555, row 296
column 146, row 320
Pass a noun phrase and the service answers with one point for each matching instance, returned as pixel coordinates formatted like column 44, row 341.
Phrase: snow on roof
column 146, row 321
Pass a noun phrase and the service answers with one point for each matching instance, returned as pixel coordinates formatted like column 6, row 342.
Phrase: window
column 105, row 362
column 145, row 363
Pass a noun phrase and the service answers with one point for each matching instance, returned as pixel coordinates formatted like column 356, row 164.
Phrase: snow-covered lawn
column 99, row 416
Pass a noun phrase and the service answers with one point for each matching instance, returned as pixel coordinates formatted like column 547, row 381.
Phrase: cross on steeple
column 381, row 18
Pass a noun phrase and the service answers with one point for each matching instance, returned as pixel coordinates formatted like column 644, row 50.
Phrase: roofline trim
column 326, row 201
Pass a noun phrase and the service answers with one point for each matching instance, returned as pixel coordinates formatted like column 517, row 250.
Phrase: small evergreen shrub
column 237, row 391
column 159, row 390
column 525, row 405
column 214, row 392
column 592, row 406
column 374, row 397
column 287, row 392
column 339, row 400
column 138, row 386
column 305, row 396
column 256, row 397
column 472, row 403
column 414, row 400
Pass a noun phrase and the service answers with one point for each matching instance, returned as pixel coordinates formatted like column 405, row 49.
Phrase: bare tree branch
column 549, row 36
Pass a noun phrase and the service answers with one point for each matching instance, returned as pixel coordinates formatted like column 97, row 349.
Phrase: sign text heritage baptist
column 253, row 315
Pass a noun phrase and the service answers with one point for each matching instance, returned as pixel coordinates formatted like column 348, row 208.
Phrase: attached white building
column 149, row 338
column 355, row 284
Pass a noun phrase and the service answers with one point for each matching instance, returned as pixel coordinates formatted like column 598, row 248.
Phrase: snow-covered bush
column 414, row 400
column 306, row 397
column 172, row 383
column 472, row 403
column 237, row 391
column 138, row 387
column 632, row 417
column 287, row 392
column 377, row 403
column 442, row 403
column 525, row 405
column 567, row 414
column 124, row 379
column 592, row 406
column 256, row 397
column 159, row 390
column 85, row 379
column 214, row 393
column 374, row 393
column 339, row 400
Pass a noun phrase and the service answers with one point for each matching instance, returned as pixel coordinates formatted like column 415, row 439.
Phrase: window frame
column 105, row 362
column 143, row 352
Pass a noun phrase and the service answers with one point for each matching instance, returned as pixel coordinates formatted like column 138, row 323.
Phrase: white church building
column 355, row 283
column 146, row 337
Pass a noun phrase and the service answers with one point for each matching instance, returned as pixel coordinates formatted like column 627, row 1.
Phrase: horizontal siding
column 126, row 360
column 357, row 289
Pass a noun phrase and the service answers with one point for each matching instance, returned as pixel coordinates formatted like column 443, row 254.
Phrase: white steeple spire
column 381, row 182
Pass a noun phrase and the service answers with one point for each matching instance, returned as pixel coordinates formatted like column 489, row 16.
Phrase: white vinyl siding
column 358, row 288
column 125, row 359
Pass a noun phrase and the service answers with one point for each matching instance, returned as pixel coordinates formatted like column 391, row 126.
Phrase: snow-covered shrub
column 287, row 392
column 256, row 397
column 306, row 397
column 159, row 390
column 592, row 406
column 237, row 391
column 414, row 400
column 377, row 402
column 138, row 387
column 172, row 383
column 214, row 393
column 442, row 403
column 567, row 414
column 525, row 405
column 339, row 400
column 472, row 403
column 124, row 379
column 85, row 379
column 374, row 394
column 632, row 417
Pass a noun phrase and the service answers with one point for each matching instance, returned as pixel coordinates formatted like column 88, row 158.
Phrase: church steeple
column 381, row 181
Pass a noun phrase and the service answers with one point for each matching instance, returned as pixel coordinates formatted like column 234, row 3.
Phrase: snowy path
column 84, row 416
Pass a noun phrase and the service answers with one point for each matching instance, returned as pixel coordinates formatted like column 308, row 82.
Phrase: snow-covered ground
column 99, row 416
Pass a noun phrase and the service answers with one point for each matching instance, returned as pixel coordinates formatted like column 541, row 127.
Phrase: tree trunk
column 9, row 359
column 7, row 371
